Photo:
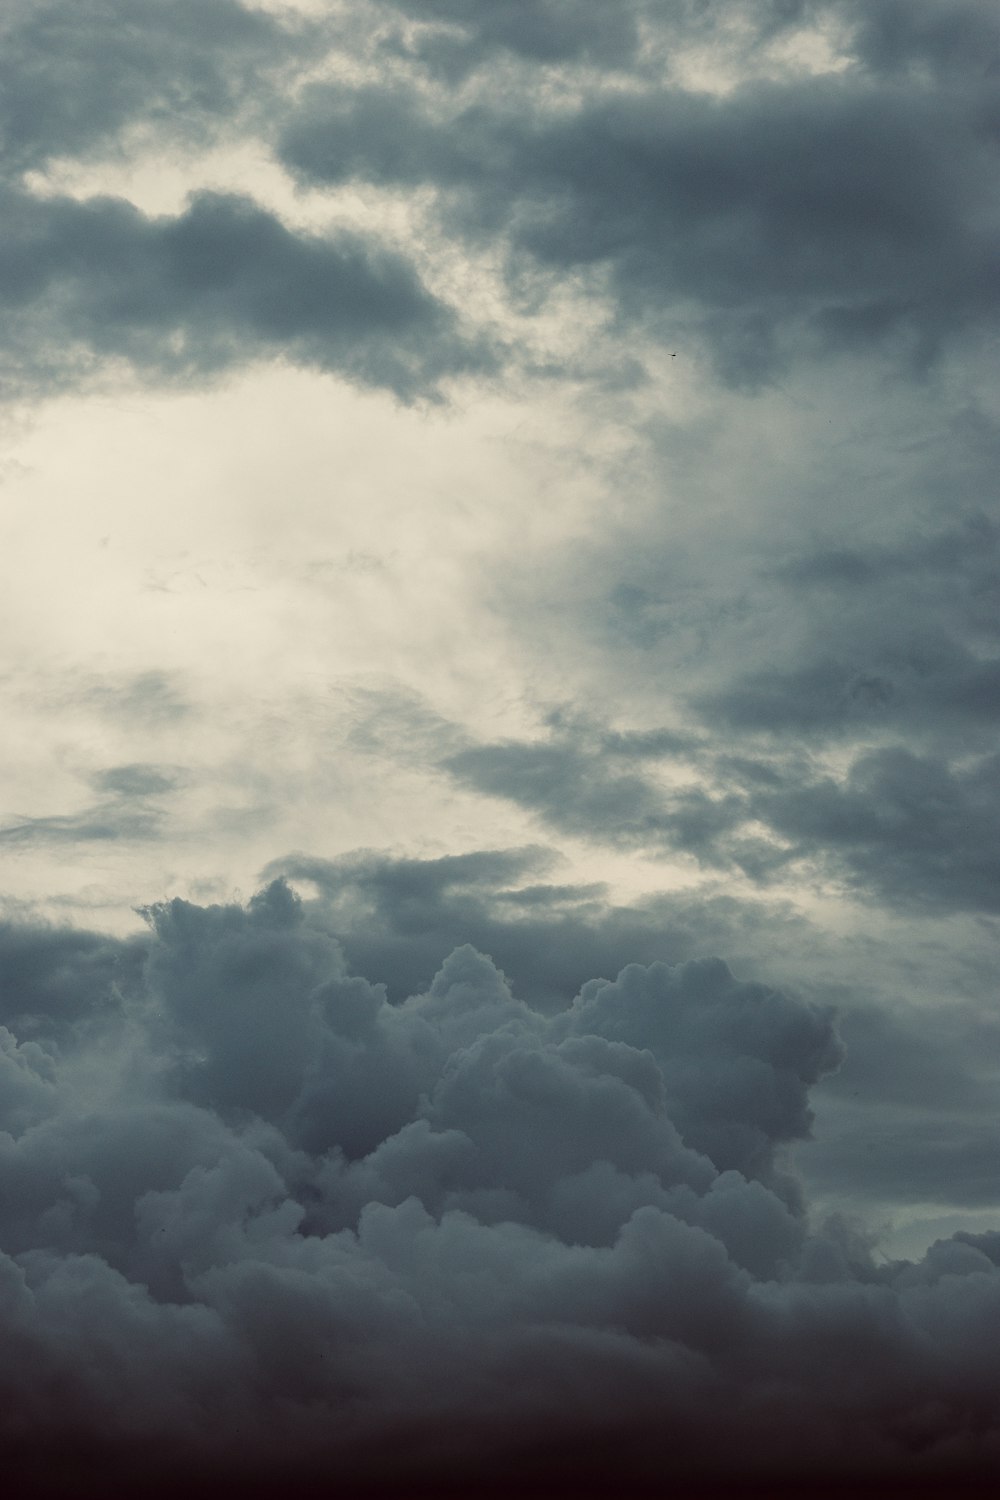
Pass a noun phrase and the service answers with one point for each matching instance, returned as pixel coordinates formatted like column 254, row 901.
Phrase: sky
column 500, row 670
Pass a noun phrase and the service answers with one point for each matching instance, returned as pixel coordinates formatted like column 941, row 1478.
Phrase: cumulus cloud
column 914, row 1099
column 255, row 1214
column 462, row 1172
column 398, row 919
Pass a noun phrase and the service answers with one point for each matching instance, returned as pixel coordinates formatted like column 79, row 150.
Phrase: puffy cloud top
column 253, row 1210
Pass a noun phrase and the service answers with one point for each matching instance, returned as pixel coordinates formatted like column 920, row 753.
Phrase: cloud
column 129, row 809
column 908, row 827
column 398, row 919
column 917, row 1020
column 136, row 780
column 90, row 286
column 793, row 215
column 258, row 1215
column 578, row 790
column 688, row 211
column 221, row 284
column 471, row 1170
column 454, row 40
column 894, row 635
column 73, row 76
column 911, row 829
column 899, row 38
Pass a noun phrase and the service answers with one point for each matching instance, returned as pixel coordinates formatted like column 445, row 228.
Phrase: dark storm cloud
column 75, row 73
column 911, row 1116
column 836, row 213
column 220, row 284
column 259, row 1215
column 455, row 1172
column 898, row 1159
column 891, row 636
column 458, row 37
column 788, row 217
column 455, row 37
column 50, row 978
column 397, row 920
column 946, row 36
column 910, row 828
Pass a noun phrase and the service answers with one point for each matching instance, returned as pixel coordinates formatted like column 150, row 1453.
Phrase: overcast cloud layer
column 513, row 484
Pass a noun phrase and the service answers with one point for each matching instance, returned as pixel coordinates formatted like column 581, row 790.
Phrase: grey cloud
column 840, row 674
column 691, row 210
column 778, row 1047
column 110, row 821
column 900, row 36
column 936, row 1057
column 834, row 695
column 136, row 780
column 540, row 31
column 536, row 1241
column 891, row 635
column 899, row 1157
column 849, row 588
column 911, row 829
column 221, row 283
column 397, row 920
column 51, row 978
column 129, row 809
column 867, row 233
column 75, row 73
column 576, row 791
column 911, row 1115
column 89, row 285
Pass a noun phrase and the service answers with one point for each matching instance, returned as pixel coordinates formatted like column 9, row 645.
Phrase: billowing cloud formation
column 254, row 1214
column 446, row 1171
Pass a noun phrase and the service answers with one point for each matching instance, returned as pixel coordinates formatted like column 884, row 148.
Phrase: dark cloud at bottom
column 265, row 1231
